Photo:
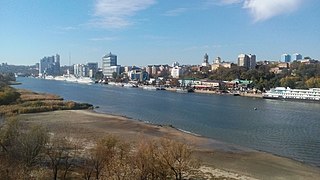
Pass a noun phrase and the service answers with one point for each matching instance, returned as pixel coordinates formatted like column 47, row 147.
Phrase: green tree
column 289, row 82
column 313, row 82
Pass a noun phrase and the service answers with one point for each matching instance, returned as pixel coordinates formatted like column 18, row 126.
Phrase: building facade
column 243, row 60
column 109, row 62
column 247, row 61
column 252, row 61
column 138, row 75
column 285, row 58
column 49, row 66
column 176, row 72
column 92, row 69
column 205, row 60
column 296, row 57
column 80, row 70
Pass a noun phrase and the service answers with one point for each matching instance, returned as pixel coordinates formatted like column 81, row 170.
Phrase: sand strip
column 219, row 159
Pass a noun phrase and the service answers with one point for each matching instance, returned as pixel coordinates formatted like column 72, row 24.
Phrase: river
column 285, row 128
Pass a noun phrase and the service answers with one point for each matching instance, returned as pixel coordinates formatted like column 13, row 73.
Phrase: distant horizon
column 142, row 32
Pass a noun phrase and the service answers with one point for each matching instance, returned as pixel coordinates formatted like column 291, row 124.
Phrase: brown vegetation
column 23, row 101
column 32, row 153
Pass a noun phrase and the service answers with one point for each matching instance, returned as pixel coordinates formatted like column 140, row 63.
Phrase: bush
column 8, row 96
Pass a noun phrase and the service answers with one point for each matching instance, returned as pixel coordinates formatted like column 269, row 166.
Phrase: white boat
column 85, row 80
column 60, row 78
column 115, row 84
column 71, row 78
column 150, row 88
column 312, row 94
column 129, row 85
column 184, row 90
column 181, row 90
column 49, row 77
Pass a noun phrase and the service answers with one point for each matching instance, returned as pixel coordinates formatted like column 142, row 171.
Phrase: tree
column 102, row 155
column 177, row 157
column 62, row 155
column 289, row 82
column 313, row 82
column 23, row 148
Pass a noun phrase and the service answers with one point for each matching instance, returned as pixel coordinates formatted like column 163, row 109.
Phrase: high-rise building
column 49, row 66
column 252, row 61
column 247, row 61
column 108, row 63
column 80, row 70
column 285, row 58
column 296, row 57
column 205, row 60
column 92, row 69
column 243, row 60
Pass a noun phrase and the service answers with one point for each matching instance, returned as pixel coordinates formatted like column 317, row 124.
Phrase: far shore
column 219, row 159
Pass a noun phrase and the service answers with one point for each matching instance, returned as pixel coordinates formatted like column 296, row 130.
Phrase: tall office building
column 247, row 61
column 285, row 58
column 296, row 57
column 109, row 62
column 49, row 66
column 252, row 61
column 243, row 60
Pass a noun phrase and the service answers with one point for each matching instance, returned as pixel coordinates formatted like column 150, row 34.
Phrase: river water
column 286, row 128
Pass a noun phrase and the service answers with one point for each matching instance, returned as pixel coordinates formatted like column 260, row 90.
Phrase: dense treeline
column 5, row 78
column 299, row 75
column 33, row 153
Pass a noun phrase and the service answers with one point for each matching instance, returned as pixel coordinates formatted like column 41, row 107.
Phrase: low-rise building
column 138, row 75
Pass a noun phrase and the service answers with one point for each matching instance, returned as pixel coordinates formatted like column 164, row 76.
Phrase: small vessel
column 181, row 90
column 130, row 85
column 184, row 90
column 49, row 77
column 312, row 94
column 150, row 88
column 85, row 80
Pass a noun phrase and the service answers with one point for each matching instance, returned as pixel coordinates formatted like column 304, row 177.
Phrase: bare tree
column 103, row 154
column 177, row 157
column 62, row 155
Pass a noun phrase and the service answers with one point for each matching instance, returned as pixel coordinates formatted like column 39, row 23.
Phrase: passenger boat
column 312, row 94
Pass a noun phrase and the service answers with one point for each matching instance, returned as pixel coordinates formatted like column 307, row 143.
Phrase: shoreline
column 215, row 154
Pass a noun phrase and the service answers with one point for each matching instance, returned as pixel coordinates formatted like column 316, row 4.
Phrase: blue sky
column 145, row 32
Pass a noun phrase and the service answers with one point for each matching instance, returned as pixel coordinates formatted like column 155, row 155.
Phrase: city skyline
column 143, row 32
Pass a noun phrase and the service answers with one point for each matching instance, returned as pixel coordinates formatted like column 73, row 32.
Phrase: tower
column 108, row 62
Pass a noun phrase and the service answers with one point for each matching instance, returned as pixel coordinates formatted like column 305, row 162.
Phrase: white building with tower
column 109, row 65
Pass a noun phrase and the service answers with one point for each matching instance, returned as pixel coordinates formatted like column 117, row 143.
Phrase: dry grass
column 31, row 102
column 33, row 96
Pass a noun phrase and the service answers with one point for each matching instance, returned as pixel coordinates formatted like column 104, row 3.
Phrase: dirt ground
column 219, row 159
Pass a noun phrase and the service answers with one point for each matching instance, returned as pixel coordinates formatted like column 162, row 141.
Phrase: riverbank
column 219, row 159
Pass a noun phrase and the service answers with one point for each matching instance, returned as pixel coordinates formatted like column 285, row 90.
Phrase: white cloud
column 117, row 13
column 265, row 9
column 175, row 12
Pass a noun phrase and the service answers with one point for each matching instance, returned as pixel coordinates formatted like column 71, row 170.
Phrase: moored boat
column 312, row 94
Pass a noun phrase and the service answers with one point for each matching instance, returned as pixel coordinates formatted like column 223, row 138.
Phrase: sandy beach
column 220, row 160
